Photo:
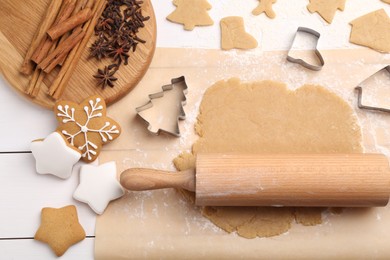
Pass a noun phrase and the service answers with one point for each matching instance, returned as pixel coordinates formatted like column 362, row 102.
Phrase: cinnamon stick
column 44, row 48
column 60, row 29
column 49, row 63
column 70, row 64
column 80, row 5
column 47, row 20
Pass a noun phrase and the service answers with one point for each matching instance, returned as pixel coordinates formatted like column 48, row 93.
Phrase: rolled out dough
column 266, row 117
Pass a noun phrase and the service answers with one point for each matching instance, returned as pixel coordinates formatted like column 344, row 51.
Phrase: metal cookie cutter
column 316, row 34
column 359, row 89
column 170, row 100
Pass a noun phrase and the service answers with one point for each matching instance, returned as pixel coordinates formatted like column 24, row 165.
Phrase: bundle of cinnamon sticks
column 59, row 41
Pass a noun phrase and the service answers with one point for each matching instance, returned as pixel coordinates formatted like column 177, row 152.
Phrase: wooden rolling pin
column 323, row 180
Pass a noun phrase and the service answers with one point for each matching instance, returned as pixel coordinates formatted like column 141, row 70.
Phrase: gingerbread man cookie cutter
column 169, row 101
column 309, row 33
column 359, row 89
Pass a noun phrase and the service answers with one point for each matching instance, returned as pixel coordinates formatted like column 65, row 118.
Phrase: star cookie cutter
column 312, row 33
column 170, row 100
column 359, row 89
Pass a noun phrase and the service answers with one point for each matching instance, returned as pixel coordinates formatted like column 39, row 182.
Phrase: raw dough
column 265, row 6
column 386, row 1
column 326, row 8
column 266, row 117
column 372, row 30
column 191, row 13
column 233, row 34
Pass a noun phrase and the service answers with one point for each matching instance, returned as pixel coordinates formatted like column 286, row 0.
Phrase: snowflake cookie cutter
column 174, row 94
column 359, row 89
column 309, row 33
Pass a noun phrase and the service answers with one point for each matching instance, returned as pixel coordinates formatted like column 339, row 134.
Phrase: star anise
column 117, row 29
column 104, row 24
column 106, row 76
column 120, row 53
column 100, row 47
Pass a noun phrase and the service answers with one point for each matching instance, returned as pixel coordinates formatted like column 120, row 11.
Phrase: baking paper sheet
column 162, row 224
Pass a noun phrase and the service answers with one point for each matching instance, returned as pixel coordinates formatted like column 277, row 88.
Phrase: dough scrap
column 372, row 30
column 266, row 117
column 265, row 6
column 233, row 34
column 326, row 8
column 191, row 13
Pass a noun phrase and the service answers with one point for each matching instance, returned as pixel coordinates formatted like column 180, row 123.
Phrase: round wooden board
column 18, row 22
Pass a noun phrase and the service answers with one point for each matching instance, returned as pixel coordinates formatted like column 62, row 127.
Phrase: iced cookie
column 98, row 186
column 233, row 34
column 60, row 228
column 191, row 13
column 86, row 126
column 53, row 155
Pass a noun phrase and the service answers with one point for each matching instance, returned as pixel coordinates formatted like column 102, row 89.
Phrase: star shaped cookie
column 60, row 228
column 98, row 186
column 53, row 155
column 86, row 125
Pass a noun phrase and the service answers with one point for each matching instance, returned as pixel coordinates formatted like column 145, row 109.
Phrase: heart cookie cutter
column 308, row 32
column 359, row 89
column 156, row 123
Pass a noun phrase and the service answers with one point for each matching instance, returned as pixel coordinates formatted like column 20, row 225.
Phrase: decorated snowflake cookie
column 54, row 155
column 86, row 126
column 98, row 186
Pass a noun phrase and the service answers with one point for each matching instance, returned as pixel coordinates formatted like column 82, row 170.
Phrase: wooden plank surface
column 34, row 250
column 21, row 206
column 18, row 23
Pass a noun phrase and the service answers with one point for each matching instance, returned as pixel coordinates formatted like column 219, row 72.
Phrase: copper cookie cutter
column 312, row 33
column 175, row 100
column 359, row 89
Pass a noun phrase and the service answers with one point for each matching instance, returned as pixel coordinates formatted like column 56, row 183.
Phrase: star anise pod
column 120, row 53
column 100, row 47
column 106, row 76
column 105, row 24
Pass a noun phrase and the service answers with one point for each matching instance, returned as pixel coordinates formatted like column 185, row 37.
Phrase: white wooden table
column 23, row 193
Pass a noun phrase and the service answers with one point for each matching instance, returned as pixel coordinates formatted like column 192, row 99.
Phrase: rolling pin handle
column 140, row 179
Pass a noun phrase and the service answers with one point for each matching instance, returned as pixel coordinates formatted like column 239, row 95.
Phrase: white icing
column 54, row 156
column 98, row 186
column 89, row 148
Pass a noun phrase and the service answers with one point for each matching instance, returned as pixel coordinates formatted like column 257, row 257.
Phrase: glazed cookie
column 60, row 228
column 86, row 126
column 98, row 186
column 54, row 155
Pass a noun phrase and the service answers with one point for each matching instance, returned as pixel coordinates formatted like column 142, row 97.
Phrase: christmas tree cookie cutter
column 164, row 109
column 309, row 33
column 359, row 89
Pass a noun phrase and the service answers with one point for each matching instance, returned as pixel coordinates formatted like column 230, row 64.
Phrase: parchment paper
column 161, row 224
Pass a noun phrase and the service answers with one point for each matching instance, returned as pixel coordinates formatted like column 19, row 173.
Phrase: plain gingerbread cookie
column 233, row 34
column 191, row 13
column 326, row 8
column 60, row 228
column 265, row 6
column 372, row 30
